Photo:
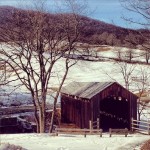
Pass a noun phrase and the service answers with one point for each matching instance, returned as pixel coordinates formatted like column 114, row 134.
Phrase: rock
column 11, row 147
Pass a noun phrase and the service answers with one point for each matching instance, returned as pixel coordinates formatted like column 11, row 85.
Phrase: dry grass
column 146, row 146
column 143, row 94
column 102, row 49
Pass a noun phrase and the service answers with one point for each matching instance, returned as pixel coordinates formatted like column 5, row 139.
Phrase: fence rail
column 78, row 131
column 94, row 124
column 140, row 126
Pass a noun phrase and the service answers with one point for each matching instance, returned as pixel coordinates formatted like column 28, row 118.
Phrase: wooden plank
column 140, row 125
column 78, row 131
column 118, row 131
column 82, row 114
column 140, row 121
column 88, row 111
column 140, row 129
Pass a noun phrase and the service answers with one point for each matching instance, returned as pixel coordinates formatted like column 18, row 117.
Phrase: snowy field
column 83, row 71
column 75, row 142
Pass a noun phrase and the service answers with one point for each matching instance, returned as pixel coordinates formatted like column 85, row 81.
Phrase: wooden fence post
column 132, row 124
column 98, row 123
column 84, row 132
column 109, row 132
column 126, row 132
column 90, row 124
column 149, row 128
column 101, row 130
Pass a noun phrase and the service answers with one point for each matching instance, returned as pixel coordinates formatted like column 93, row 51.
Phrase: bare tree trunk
column 55, row 101
column 37, row 121
column 42, row 120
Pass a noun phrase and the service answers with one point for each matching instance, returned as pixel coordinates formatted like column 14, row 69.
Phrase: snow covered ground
column 83, row 71
column 75, row 142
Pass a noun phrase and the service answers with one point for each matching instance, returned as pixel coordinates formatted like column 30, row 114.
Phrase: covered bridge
column 109, row 101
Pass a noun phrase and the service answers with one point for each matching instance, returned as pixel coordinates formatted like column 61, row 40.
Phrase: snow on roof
column 85, row 89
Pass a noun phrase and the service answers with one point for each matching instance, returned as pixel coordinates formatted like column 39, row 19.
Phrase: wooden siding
column 75, row 111
column 79, row 110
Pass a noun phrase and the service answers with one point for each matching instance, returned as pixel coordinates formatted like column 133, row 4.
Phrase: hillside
column 92, row 31
column 98, row 32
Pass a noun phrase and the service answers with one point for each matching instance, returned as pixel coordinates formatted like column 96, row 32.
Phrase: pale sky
column 109, row 11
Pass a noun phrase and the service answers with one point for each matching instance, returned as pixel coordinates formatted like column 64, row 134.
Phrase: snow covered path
column 75, row 142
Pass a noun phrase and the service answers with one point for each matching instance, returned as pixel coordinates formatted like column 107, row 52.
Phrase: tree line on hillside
column 91, row 31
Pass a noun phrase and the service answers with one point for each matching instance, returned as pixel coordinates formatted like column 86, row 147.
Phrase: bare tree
column 129, row 55
column 34, row 42
column 126, row 70
column 5, row 73
column 146, row 55
column 86, row 50
column 142, row 8
column 141, row 81
column 126, row 56
column 124, row 66
column 2, row 73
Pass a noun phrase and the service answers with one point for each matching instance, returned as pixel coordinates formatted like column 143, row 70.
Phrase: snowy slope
column 83, row 71
column 75, row 142
column 86, row 71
